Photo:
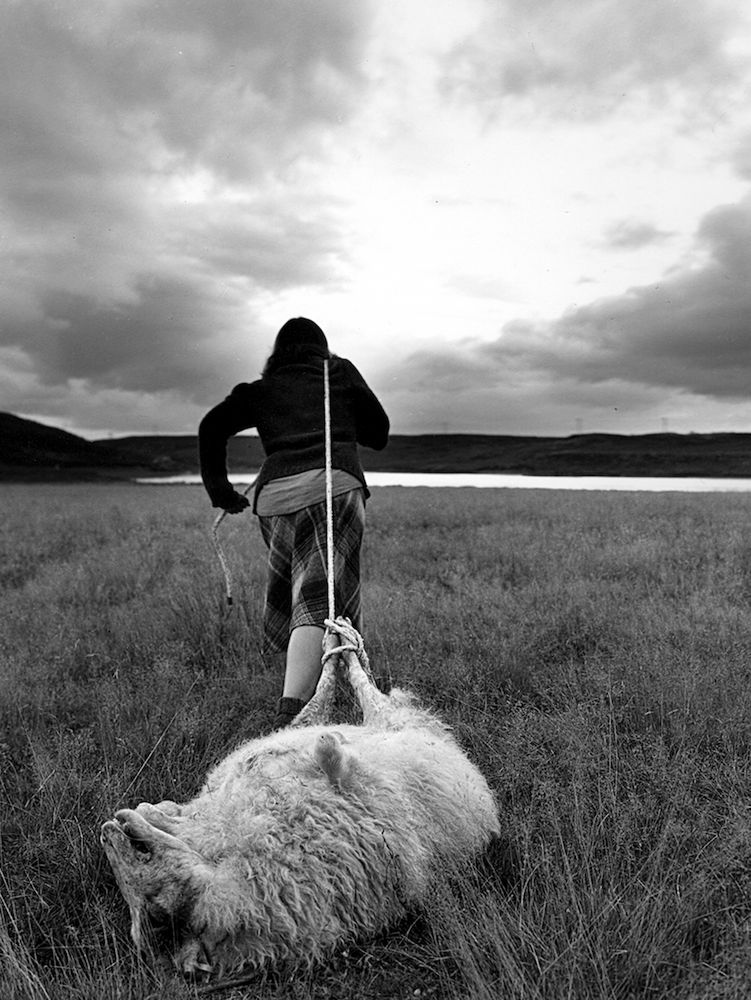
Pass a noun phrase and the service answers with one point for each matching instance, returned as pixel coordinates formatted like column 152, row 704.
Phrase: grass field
column 592, row 652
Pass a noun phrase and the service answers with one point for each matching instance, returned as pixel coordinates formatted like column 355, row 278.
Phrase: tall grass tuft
column 591, row 651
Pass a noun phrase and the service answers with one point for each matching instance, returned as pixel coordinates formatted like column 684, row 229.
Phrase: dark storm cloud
column 229, row 84
column 274, row 244
column 631, row 235
column 152, row 157
column 691, row 332
column 588, row 56
column 742, row 157
column 447, row 370
column 172, row 334
column 166, row 330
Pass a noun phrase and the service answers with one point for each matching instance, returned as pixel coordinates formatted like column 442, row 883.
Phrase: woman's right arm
column 234, row 414
column 370, row 417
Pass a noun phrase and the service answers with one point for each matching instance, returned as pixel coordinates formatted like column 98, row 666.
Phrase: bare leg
column 303, row 662
column 318, row 709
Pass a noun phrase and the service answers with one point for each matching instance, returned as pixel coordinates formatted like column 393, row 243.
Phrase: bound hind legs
column 342, row 642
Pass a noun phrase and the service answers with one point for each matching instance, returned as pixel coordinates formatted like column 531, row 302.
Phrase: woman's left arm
column 372, row 423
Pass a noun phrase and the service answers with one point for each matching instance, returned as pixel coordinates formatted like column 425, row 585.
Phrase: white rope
column 220, row 552
column 329, row 491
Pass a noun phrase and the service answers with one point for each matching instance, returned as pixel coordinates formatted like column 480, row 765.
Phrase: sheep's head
column 153, row 870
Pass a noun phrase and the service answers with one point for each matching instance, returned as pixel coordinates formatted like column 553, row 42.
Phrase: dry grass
column 592, row 652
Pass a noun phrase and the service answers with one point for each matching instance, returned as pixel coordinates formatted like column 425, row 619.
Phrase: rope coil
column 220, row 551
column 353, row 643
column 353, row 640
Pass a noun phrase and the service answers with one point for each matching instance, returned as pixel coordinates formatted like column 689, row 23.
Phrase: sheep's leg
column 165, row 816
column 169, row 808
column 318, row 709
column 372, row 701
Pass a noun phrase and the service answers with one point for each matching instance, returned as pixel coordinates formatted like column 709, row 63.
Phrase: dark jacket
column 287, row 409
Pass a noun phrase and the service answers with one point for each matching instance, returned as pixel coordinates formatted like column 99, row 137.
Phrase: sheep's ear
column 331, row 757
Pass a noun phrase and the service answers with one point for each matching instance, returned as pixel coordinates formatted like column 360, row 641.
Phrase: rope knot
column 352, row 639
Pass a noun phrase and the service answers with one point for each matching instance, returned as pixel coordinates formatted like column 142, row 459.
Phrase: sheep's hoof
column 139, row 830
column 169, row 808
column 192, row 959
column 167, row 822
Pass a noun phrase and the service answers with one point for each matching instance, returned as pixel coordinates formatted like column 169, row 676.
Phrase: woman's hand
column 236, row 504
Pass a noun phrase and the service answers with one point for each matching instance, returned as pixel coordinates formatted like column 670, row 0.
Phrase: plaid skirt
column 296, row 586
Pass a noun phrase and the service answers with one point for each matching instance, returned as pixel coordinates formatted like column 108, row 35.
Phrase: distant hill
column 30, row 450
column 34, row 451
column 169, row 453
column 711, row 455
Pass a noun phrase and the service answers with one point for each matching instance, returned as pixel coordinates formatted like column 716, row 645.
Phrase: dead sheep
column 305, row 839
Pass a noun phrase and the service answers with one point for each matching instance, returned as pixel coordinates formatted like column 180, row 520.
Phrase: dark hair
column 299, row 339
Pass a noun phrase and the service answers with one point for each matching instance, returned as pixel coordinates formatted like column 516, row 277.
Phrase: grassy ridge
column 33, row 452
column 718, row 455
column 591, row 651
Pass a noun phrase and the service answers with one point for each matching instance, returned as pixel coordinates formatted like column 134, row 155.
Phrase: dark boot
column 286, row 710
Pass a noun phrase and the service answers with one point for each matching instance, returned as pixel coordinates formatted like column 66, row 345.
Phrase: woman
column 286, row 405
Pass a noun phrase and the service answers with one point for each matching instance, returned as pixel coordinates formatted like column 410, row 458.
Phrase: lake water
column 630, row 484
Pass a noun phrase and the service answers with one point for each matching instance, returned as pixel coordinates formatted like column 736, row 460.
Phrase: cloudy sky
column 514, row 216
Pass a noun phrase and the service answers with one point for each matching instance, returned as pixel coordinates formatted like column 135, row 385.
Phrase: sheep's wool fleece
column 302, row 840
